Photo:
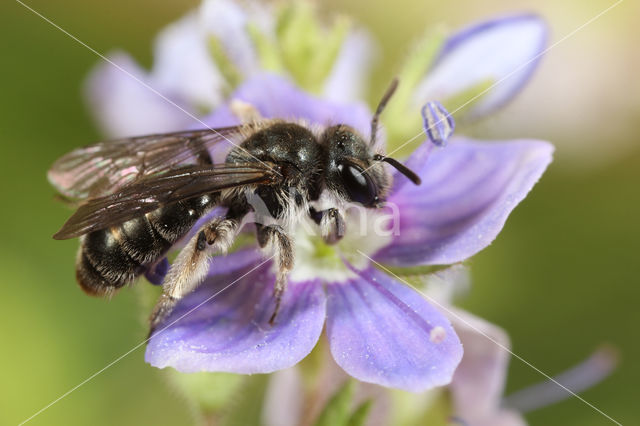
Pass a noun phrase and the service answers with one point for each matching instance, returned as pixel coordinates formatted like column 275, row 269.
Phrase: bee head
column 353, row 169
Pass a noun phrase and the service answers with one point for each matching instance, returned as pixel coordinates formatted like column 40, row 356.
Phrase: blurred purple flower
column 502, row 52
column 478, row 383
column 379, row 330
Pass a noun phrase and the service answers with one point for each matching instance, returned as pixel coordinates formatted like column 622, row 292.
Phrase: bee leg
column 192, row 265
column 274, row 237
column 331, row 222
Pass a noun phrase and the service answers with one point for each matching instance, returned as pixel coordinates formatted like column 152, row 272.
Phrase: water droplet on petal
column 438, row 123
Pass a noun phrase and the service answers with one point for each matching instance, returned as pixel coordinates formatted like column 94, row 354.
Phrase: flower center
column 367, row 231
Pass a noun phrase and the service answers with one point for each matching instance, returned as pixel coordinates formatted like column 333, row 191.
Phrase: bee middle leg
column 192, row 264
column 275, row 237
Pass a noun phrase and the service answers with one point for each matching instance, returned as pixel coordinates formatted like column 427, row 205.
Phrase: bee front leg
column 192, row 264
column 274, row 237
column 331, row 222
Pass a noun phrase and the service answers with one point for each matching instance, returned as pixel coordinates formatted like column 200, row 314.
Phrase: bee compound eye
column 358, row 185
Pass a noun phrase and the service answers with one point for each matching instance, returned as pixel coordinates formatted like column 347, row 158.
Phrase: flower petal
column 277, row 97
column 505, row 50
column 228, row 22
column 124, row 106
column 183, row 65
column 479, row 380
column 468, row 190
column 230, row 332
column 349, row 75
column 384, row 332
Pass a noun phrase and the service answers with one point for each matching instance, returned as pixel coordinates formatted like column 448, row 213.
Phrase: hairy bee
column 140, row 195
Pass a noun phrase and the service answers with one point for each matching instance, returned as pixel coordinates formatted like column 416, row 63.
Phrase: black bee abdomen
column 102, row 253
column 141, row 241
column 113, row 257
column 91, row 281
column 175, row 220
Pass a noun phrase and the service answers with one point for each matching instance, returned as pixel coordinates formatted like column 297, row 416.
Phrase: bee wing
column 152, row 192
column 102, row 168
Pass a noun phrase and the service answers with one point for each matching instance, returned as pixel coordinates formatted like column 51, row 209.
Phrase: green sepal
column 402, row 118
column 247, row 406
column 308, row 51
column 433, row 408
column 419, row 61
column 296, row 31
column 459, row 103
column 267, row 50
column 225, row 66
column 208, row 394
column 336, row 412
column 416, row 271
column 327, row 50
column 439, row 412
column 359, row 416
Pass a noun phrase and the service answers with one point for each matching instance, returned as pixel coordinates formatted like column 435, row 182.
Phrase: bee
column 139, row 196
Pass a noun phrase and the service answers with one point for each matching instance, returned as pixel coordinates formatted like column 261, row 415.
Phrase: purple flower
column 379, row 330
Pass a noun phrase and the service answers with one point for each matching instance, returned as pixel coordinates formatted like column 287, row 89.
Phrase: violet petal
column 505, row 50
column 468, row 190
column 228, row 21
column 479, row 380
column 350, row 72
column 124, row 106
column 156, row 274
column 231, row 332
column 183, row 65
column 276, row 97
column 381, row 331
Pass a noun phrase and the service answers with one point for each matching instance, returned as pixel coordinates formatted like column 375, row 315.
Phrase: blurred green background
column 561, row 278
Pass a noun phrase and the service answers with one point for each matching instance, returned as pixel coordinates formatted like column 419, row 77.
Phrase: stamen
column 438, row 123
column 410, row 174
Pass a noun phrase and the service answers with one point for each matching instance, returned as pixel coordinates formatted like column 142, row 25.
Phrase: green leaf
column 336, row 412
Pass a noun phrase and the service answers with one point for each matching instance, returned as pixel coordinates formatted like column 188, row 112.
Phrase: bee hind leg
column 273, row 237
column 192, row 264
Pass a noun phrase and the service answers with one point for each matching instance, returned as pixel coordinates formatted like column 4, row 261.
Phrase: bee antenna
column 410, row 174
column 383, row 102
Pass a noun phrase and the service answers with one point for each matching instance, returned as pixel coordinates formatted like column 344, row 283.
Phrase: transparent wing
column 103, row 168
column 151, row 192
